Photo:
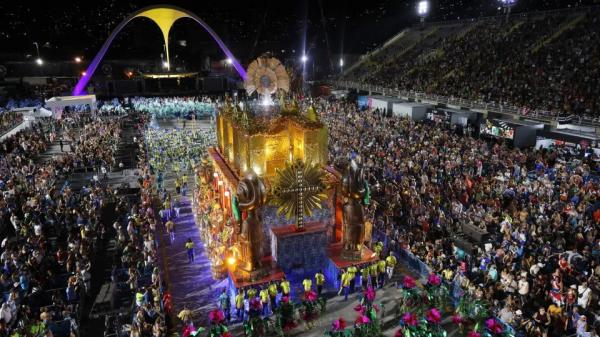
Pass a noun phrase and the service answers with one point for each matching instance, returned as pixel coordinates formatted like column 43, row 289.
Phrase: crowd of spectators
column 540, row 269
column 170, row 107
column 543, row 63
column 135, row 266
column 160, row 107
column 49, row 232
column 9, row 120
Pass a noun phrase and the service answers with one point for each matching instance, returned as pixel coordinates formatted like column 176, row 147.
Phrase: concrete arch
column 164, row 16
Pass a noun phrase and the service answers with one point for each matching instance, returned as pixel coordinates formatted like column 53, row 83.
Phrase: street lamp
column 39, row 60
column 229, row 61
column 423, row 9
column 165, row 64
column 77, row 59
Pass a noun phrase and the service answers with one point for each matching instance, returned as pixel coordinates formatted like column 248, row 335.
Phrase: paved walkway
column 190, row 284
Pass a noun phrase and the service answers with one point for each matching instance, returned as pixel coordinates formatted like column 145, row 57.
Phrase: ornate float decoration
column 298, row 189
column 266, row 75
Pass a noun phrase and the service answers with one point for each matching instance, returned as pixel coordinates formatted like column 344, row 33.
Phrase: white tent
column 57, row 104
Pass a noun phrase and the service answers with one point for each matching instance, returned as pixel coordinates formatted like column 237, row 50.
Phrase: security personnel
column 320, row 281
column 390, row 262
column 352, row 270
column 285, row 287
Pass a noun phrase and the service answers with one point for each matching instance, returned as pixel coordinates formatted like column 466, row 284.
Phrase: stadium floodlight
column 77, row 59
column 341, row 62
column 165, row 64
column 423, row 8
column 229, row 61
column 508, row 3
column 304, row 58
column 39, row 60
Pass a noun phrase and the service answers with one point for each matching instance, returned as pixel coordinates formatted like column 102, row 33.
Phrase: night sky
column 65, row 29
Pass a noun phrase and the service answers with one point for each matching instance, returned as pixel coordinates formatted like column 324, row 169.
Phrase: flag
column 367, row 198
column 235, row 208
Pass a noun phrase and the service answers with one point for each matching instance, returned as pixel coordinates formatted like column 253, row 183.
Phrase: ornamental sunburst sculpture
column 266, row 75
column 298, row 190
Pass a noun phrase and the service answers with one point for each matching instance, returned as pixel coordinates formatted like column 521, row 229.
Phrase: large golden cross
column 299, row 189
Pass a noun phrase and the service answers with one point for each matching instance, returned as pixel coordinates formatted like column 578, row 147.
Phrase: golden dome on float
column 266, row 75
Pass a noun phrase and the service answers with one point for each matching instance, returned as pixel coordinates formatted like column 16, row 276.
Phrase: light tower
column 304, row 59
column 423, row 10
column 507, row 5
column 38, row 60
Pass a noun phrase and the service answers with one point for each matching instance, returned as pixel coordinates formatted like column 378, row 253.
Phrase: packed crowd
column 170, row 107
column 176, row 151
column 111, row 107
column 9, row 120
column 135, row 265
column 540, row 270
column 49, row 231
column 545, row 64
column 15, row 103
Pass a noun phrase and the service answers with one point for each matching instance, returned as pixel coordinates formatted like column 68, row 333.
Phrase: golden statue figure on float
column 354, row 190
column 252, row 195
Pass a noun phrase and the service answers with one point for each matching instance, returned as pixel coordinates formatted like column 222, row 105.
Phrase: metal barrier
column 404, row 257
column 510, row 110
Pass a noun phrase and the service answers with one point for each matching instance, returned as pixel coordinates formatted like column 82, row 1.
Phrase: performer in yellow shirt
column 373, row 274
column 390, row 262
column 364, row 276
column 239, row 304
column 345, row 285
column 189, row 247
column 381, row 272
column 307, row 283
column 251, row 293
column 285, row 287
column 273, row 295
column 352, row 270
column 320, row 281
column 378, row 248
column 264, row 300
